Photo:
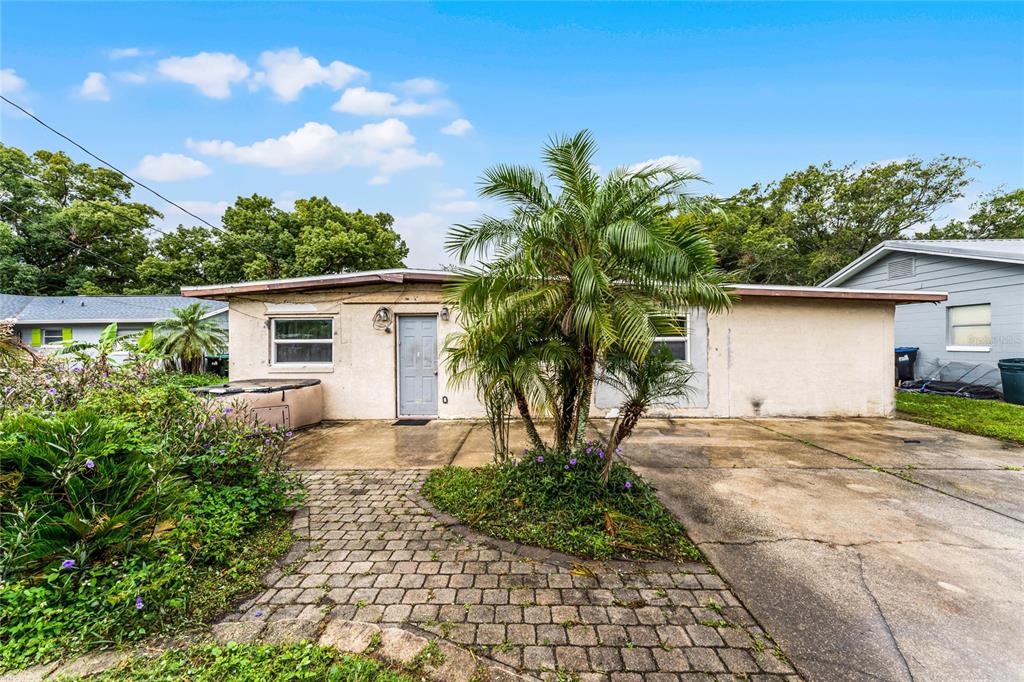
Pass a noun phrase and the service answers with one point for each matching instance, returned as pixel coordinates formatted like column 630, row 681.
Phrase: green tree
column 55, row 241
column 189, row 337
column 593, row 267
column 806, row 226
column 997, row 215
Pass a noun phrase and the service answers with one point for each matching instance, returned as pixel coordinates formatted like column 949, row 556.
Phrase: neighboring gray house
column 981, row 322
column 45, row 322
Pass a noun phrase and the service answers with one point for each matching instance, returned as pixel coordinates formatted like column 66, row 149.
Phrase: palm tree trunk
column 524, row 412
column 623, row 426
column 585, row 394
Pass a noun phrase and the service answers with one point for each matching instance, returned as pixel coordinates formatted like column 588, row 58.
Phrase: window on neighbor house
column 679, row 345
column 970, row 327
column 53, row 337
column 302, row 341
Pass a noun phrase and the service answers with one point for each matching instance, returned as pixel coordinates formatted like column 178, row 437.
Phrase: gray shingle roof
column 96, row 308
column 1001, row 250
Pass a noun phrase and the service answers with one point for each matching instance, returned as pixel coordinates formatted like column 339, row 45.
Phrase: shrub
column 126, row 507
column 560, row 501
column 80, row 487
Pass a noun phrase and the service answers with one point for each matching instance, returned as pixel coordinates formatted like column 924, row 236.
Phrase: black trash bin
column 218, row 364
column 906, row 356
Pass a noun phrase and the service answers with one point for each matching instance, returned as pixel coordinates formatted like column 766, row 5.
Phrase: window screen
column 308, row 341
column 53, row 337
column 970, row 325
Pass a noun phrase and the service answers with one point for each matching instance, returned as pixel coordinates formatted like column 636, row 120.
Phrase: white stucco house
column 45, row 322
column 375, row 340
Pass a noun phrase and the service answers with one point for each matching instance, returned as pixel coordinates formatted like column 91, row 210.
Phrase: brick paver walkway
column 372, row 553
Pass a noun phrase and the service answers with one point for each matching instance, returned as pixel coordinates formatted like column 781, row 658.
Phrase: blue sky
column 351, row 100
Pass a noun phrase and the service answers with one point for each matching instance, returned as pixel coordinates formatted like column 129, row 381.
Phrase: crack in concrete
column 880, row 469
column 881, row 614
column 747, row 543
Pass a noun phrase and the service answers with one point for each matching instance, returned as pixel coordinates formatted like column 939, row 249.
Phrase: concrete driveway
column 870, row 549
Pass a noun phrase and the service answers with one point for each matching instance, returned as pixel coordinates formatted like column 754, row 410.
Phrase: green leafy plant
column 189, row 337
column 561, row 501
column 576, row 272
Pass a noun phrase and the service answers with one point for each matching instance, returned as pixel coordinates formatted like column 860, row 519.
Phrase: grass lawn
column 560, row 503
column 981, row 417
column 254, row 663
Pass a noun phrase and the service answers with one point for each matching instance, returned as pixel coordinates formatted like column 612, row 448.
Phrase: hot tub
column 285, row 403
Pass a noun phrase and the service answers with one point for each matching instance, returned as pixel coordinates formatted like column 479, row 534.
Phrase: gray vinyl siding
column 967, row 281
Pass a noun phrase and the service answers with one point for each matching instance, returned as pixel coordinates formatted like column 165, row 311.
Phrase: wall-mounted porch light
column 382, row 319
column 444, row 313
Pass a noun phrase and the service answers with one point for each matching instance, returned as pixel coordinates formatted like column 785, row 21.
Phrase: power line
column 105, row 162
column 143, row 225
column 124, row 268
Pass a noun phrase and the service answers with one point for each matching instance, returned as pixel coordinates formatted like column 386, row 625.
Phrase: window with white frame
column 307, row 341
column 970, row 327
column 53, row 337
column 678, row 344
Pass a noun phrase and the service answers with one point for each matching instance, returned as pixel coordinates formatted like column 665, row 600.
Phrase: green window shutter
column 66, row 333
column 37, row 337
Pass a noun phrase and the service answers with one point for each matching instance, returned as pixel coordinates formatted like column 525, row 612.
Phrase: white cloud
column 132, row 77
column 424, row 233
column 683, row 164
column 379, row 180
column 288, row 73
column 465, row 206
column 125, row 53
column 11, row 83
column 95, row 87
column 171, row 167
column 458, row 127
column 363, row 102
column 415, row 87
column 387, row 147
column 212, row 73
column 449, row 192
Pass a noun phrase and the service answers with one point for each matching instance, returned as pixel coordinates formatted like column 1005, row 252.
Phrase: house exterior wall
column 361, row 384
column 767, row 357
column 967, row 281
column 86, row 331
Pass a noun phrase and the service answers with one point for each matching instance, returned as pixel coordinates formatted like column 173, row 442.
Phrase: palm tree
column 599, row 266
column 188, row 337
column 13, row 351
column 656, row 379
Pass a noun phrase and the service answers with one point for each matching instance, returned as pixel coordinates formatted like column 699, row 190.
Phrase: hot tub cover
column 256, row 386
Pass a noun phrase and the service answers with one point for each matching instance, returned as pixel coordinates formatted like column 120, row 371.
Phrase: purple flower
column 51, row 391
column 67, row 563
column 540, row 459
column 267, row 442
column 258, row 614
column 273, row 429
column 526, row 451
column 138, row 603
column 221, row 451
column 572, row 461
column 228, row 410
column 618, row 451
column 629, row 484
column 589, row 450
column 600, row 453
column 566, row 467
column 89, row 464
column 288, row 434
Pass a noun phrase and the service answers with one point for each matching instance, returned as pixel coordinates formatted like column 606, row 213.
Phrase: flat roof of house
column 998, row 250
column 411, row 276
column 95, row 309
